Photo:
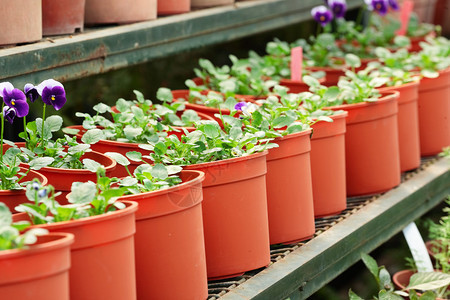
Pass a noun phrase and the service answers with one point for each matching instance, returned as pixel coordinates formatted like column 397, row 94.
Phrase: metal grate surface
column 218, row 288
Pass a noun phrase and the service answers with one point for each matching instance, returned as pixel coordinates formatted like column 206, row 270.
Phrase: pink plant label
column 296, row 63
column 407, row 8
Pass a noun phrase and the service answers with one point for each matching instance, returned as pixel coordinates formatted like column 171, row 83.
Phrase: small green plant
column 10, row 236
column 440, row 234
column 424, row 281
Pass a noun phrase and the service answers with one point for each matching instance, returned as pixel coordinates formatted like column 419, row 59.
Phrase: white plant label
column 417, row 248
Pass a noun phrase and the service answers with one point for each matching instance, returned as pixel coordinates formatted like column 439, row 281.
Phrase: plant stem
column 359, row 17
column 24, row 175
column 25, row 131
column 318, row 30
column 43, row 120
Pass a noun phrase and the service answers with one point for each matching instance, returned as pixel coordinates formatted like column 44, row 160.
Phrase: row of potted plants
column 261, row 170
column 68, row 17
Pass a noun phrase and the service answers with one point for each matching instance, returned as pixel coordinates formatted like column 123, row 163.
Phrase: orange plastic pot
column 372, row 156
column 295, row 87
column 102, row 263
column 39, row 272
column 289, row 189
column 416, row 40
column 332, row 74
column 62, row 16
column 328, row 166
column 119, row 11
column 209, row 3
column 235, row 215
column 169, row 241
column 434, row 113
column 408, row 125
column 12, row 198
column 171, row 7
column 27, row 13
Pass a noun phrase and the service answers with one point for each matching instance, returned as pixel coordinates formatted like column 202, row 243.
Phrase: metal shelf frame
column 314, row 264
column 103, row 49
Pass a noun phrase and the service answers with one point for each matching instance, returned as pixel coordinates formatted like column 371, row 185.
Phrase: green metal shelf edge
column 101, row 50
column 308, row 268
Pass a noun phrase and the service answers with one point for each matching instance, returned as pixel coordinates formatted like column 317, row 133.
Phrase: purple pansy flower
column 52, row 93
column 239, row 106
column 394, row 4
column 14, row 98
column 9, row 113
column 380, row 6
column 338, row 7
column 322, row 15
column 31, row 92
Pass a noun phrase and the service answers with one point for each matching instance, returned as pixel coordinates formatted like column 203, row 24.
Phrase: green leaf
column 388, row 295
column 353, row 296
column 40, row 162
column 5, row 215
column 91, row 165
column 371, row 264
column 101, row 108
column 160, row 148
column 119, row 158
column 82, row 192
column 134, row 156
column 159, row 171
column 164, row 94
column 428, row 281
column 211, row 131
column 352, row 60
column 311, row 81
column 92, row 136
column 53, row 123
column 70, row 131
column 385, row 279
column 282, row 121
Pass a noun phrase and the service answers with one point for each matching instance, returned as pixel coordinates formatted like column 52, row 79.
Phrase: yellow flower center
column 53, row 98
column 322, row 18
column 13, row 102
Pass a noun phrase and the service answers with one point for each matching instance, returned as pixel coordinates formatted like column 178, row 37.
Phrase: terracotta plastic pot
column 235, row 215
column 27, row 13
column 102, row 263
column 332, row 74
column 296, row 87
column 289, row 189
column 415, row 42
column 171, row 7
column 434, row 113
column 62, row 16
column 119, row 11
column 372, row 156
column 12, row 198
column 39, row 272
column 408, row 125
column 169, row 241
column 401, row 280
column 209, row 3
column 328, row 166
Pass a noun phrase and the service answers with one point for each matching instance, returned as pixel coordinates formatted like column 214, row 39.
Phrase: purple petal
column 322, row 15
column 339, row 7
column 394, row 4
column 9, row 113
column 240, row 105
column 55, row 96
column 31, row 92
column 49, row 83
column 5, row 88
column 21, row 107
column 380, row 6
column 12, row 96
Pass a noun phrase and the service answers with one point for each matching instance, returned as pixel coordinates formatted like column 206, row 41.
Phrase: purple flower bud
column 394, row 4
column 9, row 113
column 322, row 15
column 31, row 92
column 158, row 119
column 380, row 6
column 52, row 93
column 338, row 7
column 239, row 106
